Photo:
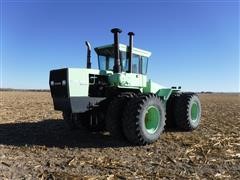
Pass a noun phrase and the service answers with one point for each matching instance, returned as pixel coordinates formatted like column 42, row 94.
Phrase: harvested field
column 34, row 144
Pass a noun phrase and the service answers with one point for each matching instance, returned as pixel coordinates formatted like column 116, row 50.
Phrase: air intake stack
column 131, row 34
column 117, row 65
column 88, row 54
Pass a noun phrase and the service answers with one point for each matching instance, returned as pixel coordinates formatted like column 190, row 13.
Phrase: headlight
column 52, row 83
column 64, row 82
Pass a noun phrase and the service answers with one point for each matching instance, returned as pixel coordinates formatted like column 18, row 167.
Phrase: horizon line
column 48, row 90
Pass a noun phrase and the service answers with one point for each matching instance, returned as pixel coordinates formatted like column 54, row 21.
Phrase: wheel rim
column 152, row 119
column 195, row 111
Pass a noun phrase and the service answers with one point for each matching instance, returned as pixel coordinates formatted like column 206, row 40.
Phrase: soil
column 35, row 144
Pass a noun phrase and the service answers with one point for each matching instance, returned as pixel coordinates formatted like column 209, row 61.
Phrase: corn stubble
column 34, row 144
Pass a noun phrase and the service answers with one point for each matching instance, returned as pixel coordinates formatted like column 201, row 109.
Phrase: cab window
column 139, row 63
column 105, row 62
column 124, row 61
column 102, row 62
column 110, row 63
column 135, row 64
column 144, row 64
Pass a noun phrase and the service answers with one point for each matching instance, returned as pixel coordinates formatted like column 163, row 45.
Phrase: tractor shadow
column 53, row 133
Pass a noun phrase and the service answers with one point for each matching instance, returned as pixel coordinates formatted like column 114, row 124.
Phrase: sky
column 194, row 44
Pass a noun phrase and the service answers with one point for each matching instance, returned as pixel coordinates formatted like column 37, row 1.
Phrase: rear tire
column 114, row 114
column 187, row 112
column 170, row 108
column 144, row 119
column 71, row 120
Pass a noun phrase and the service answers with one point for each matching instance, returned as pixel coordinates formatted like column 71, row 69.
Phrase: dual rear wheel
column 183, row 111
column 141, row 119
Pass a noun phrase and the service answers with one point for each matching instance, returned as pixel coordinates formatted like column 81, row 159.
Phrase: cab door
column 139, row 67
column 138, row 76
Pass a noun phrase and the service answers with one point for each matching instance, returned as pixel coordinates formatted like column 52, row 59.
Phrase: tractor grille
column 58, row 83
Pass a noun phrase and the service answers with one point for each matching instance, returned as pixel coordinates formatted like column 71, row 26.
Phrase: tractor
column 119, row 98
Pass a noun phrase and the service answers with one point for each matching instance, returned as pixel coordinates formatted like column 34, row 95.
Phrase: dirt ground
column 34, row 144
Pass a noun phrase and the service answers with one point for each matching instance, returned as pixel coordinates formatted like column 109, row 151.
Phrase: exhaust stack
column 117, row 65
column 88, row 55
column 131, row 34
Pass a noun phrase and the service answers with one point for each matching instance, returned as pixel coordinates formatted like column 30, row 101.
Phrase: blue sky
column 194, row 44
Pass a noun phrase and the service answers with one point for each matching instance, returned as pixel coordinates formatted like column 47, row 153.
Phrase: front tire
column 71, row 120
column 94, row 120
column 114, row 114
column 144, row 119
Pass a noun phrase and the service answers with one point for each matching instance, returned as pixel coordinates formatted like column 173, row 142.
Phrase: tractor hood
column 70, row 82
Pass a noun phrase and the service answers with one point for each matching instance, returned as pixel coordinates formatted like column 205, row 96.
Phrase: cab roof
column 109, row 49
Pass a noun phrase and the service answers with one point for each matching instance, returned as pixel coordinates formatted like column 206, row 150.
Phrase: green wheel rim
column 194, row 111
column 152, row 119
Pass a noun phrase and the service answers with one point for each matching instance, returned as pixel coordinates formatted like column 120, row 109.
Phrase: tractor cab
column 139, row 58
